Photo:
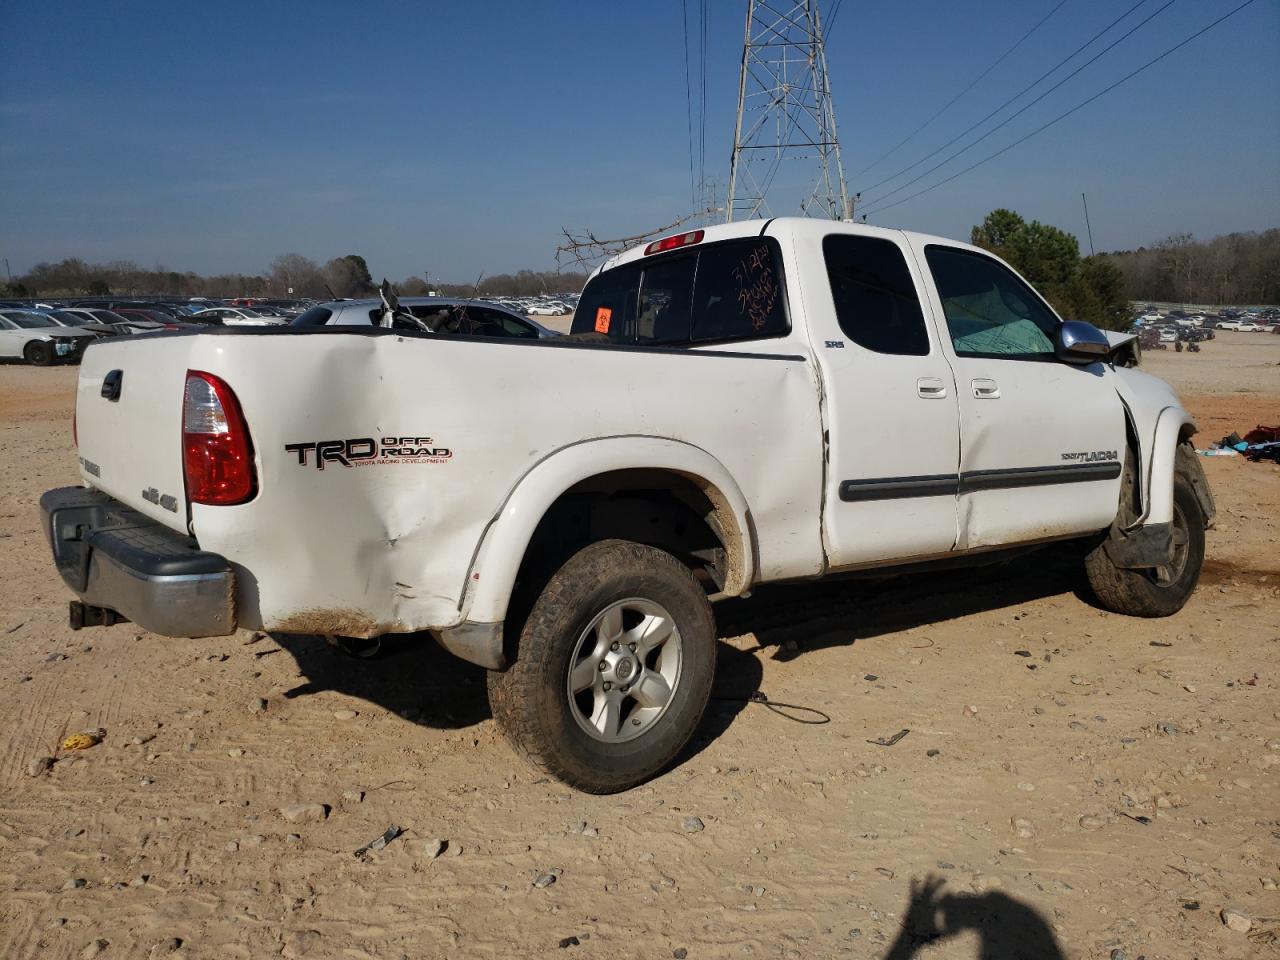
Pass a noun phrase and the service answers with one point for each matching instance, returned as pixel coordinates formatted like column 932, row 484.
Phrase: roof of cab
column 775, row 226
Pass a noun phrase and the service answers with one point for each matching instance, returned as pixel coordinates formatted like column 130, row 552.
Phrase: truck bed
column 382, row 456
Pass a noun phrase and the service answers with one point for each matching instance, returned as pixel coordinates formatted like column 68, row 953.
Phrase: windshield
column 30, row 321
column 69, row 318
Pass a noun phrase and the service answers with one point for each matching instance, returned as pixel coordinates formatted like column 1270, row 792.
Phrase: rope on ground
column 787, row 710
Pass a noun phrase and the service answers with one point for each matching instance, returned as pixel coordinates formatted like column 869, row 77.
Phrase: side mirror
column 1080, row 342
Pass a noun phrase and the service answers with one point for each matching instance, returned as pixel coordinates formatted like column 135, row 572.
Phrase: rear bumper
column 114, row 557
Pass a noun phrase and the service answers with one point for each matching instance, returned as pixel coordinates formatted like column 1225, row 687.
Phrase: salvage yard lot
column 1076, row 780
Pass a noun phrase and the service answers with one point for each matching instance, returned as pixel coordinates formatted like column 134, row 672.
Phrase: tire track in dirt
column 31, row 735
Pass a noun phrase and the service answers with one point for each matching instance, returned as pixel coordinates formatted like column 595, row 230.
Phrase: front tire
column 613, row 670
column 1159, row 591
column 39, row 353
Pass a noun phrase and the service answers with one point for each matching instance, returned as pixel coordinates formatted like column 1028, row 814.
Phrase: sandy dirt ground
column 1074, row 784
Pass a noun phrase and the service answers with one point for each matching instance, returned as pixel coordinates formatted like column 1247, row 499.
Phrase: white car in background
column 35, row 338
column 236, row 317
column 548, row 310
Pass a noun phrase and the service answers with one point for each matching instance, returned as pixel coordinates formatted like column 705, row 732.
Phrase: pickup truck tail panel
column 129, row 424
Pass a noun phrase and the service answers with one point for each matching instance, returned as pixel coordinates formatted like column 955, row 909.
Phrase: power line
column 702, row 102
column 831, row 20
column 688, row 102
column 1078, row 106
column 950, row 103
column 1023, row 109
column 1024, row 90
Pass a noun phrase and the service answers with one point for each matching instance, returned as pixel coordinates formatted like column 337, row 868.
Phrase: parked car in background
column 119, row 303
column 73, row 319
column 119, row 324
column 441, row 314
column 236, row 317
column 552, row 309
column 35, row 338
column 150, row 316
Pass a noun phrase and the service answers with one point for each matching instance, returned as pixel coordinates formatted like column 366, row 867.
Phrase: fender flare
column 1157, row 494
column 492, row 574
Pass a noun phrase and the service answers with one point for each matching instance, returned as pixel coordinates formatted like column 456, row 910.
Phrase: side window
column 515, row 327
column 875, row 298
column 494, row 323
column 990, row 312
column 663, row 314
column 738, row 294
column 608, row 304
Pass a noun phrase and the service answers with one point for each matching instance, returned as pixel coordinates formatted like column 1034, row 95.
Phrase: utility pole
column 1085, row 201
column 785, row 113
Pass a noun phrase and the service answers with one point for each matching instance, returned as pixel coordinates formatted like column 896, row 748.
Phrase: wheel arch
column 609, row 463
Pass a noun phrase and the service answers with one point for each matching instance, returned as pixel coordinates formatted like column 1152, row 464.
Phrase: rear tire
column 613, row 670
column 39, row 353
column 1162, row 591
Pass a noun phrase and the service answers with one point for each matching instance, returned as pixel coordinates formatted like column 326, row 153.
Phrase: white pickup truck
column 753, row 402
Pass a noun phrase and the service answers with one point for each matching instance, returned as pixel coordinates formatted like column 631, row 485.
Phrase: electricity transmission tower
column 785, row 113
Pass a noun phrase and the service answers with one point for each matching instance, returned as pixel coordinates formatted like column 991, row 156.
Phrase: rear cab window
column 718, row 293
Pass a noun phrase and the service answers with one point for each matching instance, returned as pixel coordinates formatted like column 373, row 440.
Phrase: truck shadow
column 415, row 679
column 411, row 676
column 1007, row 928
column 794, row 618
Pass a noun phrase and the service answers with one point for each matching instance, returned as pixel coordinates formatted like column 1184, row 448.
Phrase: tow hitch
column 85, row 615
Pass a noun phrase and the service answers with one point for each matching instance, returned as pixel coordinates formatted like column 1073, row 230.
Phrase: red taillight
column 217, row 453
column 674, row 243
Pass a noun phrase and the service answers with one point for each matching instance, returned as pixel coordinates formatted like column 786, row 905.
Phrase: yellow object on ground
column 80, row 741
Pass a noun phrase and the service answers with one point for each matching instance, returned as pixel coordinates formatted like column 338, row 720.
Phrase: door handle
column 986, row 390
column 931, row 388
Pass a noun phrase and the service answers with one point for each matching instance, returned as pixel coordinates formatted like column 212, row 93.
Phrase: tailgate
column 129, row 423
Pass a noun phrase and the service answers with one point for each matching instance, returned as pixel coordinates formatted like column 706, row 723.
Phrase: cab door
column 890, row 401
column 1042, row 441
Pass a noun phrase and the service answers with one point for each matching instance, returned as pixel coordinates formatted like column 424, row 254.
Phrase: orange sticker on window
column 603, row 316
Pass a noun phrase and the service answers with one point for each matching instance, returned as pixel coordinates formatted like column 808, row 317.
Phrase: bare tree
column 584, row 249
column 293, row 270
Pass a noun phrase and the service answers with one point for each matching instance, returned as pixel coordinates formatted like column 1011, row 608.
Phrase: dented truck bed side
column 384, row 458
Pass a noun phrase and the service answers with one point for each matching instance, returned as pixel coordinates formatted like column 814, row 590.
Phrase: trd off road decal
column 369, row 451
column 1091, row 456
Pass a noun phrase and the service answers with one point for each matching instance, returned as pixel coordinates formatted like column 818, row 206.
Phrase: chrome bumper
column 118, row 560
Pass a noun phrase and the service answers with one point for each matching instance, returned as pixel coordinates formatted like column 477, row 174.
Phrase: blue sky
column 459, row 138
